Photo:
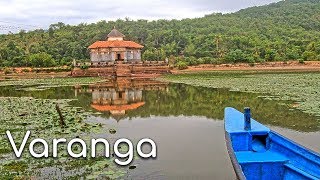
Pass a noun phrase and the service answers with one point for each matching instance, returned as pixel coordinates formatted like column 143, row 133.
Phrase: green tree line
column 287, row 30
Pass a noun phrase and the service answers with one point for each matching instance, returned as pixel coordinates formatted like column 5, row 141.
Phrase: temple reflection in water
column 121, row 95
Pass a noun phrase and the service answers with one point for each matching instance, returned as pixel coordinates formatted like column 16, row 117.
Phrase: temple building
column 115, row 48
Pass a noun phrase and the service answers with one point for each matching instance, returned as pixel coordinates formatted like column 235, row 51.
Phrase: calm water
column 186, row 122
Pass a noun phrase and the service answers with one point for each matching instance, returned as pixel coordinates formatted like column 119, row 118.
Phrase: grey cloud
column 224, row 6
column 42, row 13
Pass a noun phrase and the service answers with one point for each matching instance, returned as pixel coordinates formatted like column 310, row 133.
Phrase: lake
column 186, row 122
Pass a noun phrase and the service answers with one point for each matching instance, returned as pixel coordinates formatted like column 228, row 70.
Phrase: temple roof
column 115, row 44
column 115, row 33
column 115, row 40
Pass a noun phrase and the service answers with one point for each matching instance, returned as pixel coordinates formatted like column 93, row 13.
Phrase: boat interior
column 264, row 154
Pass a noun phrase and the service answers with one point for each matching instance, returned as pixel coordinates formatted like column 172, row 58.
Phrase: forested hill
column 288, row 30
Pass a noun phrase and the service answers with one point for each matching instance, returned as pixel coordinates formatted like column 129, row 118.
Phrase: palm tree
column 218, row 40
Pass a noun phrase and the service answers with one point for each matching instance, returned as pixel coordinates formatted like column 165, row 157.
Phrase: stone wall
column 133, row 55
column 101, row 56
column 94, row 57
column 109, row 55
column 122, row 70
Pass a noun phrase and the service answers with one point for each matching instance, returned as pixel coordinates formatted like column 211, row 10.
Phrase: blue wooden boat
column 256, row 152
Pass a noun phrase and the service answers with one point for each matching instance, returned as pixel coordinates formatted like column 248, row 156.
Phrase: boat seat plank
column 259, row 157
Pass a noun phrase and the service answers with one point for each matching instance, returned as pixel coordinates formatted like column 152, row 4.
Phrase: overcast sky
column 32, row 14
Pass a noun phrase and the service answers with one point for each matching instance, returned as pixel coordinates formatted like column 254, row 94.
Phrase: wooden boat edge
column 236, row 166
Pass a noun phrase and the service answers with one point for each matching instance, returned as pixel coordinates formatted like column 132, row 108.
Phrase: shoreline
column 290, row 66
column 293, row 66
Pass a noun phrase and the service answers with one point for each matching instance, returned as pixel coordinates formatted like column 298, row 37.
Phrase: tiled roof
column 115, row 44
column 115, row 33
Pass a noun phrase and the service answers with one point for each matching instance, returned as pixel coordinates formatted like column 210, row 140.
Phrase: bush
column 235, row 56
column 7, row 71
column 37, row 70
column 215, row 61
column 181, row 65
column 201, row 61
column 309, row 55
column 84, row 66
column 301, row 61
column 207, row 60
column 293, row 54
column 66, row 61
column 41, row 60
column 192, row 61
column 149, row 55
column 270, row 55
column 25, row 70
column 251, row 64
column 260, row 60
column 250, row 60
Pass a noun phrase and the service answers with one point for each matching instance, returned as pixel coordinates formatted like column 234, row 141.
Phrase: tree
column 294, row 53
column 270, row 55
column 235, row 56
column 190, row 50
column 149, row 55
column 309, row 55
column 51, row 32
column 275, row 32
column 41, row 60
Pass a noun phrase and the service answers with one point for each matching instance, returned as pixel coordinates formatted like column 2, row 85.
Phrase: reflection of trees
column 197, row 101
column 186, row 100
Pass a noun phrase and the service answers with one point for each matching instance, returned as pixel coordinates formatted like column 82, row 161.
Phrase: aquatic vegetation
column 50, row 82
column 40, row 117
column 112, row 131
column 302, row 88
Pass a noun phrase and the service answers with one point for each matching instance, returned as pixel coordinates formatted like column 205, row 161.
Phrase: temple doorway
column 118, row 56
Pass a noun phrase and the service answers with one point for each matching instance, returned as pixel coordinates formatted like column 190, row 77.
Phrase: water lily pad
column 112, row 131
column 132, row 166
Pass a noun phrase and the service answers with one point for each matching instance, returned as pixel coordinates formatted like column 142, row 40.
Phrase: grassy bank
column 302, row 88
